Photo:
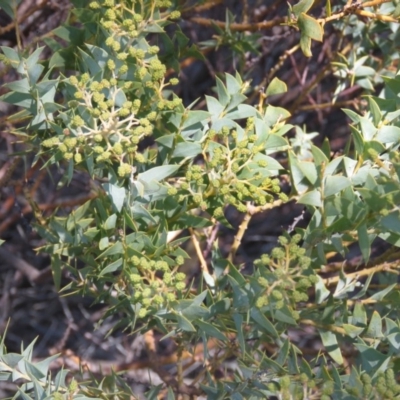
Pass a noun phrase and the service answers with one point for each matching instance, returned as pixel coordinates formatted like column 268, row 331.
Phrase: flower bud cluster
column 106, row 128
column 285, row 276
column 384, row 386
column 226, row 175
column 229, row 164
column 154, row 283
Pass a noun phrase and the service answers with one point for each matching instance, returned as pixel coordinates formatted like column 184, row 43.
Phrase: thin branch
column 238, row 27
column 364, row 272
column 13, row 24
column 374, row 3
column 380, row 17
column 196, row 244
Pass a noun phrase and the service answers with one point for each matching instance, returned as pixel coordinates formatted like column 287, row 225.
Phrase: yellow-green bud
column 180, row 285
column 142, row 313
column 180, row 276
column 117, row 148
column 68, row 156
column 175, row 15
column 123, row 69
column 110, row 15
column 94, row 5
column 124, row 170
column 111, row 65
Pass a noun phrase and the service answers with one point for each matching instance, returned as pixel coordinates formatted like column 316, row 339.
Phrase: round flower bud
column 180, row 276
column 117, row 148
column 111, row 65
column 172, row 191
column 170, row 296
column 110, row 15
column 142, row 313
column 68, row 156
column 94, row 5
column 123, row 69
column 153, row 49
column 135, row 278
column 124, row 170
column 175, row 15
column 140, row 158
column 180, row 285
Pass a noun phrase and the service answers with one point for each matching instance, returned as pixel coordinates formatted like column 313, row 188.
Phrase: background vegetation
column 220, row 179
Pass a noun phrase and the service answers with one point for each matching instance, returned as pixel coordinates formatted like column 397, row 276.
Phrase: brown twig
column 238, row 27
column 12, row 25
column 196, row 244
column 240, row 233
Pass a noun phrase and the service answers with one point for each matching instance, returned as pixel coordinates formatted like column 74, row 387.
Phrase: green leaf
column 117, row 195
column 319, row 156
column 187, row 220
column 11, row 54
column 263, row 322
column 328, row 8
column 322, row 293
column 194, row 311
column 284, row 315
column 7, row 6
column 211, row 330
column 305, row 45
column 372, row 361
column 92, row 67
column 335, row 184
column 374, row 110
column 70, row 34
column 100, row 56
column 312, row 198
column 302, row 7
column 283, row 353
column 64, row 58
column 184, row 323
column 359, row 315
column 187, row 150
column 116, row 248
column 170, row 395
column 382, row 293
column 352, row 115
column 115, row 266
column 364, row 242
column 330, row 342
column 21, row 86
column 375, row 326
column 274, row 115
column 158, row 174
column 276, row 87
column 391, row 222
column 309, row 171
column 352, row 331
column 310, row 27
column 222, row 93
column 388, row 134
column 110, row 222
column 238, row 320
column 298, row 178
column 214, row 107
column 103, row 243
